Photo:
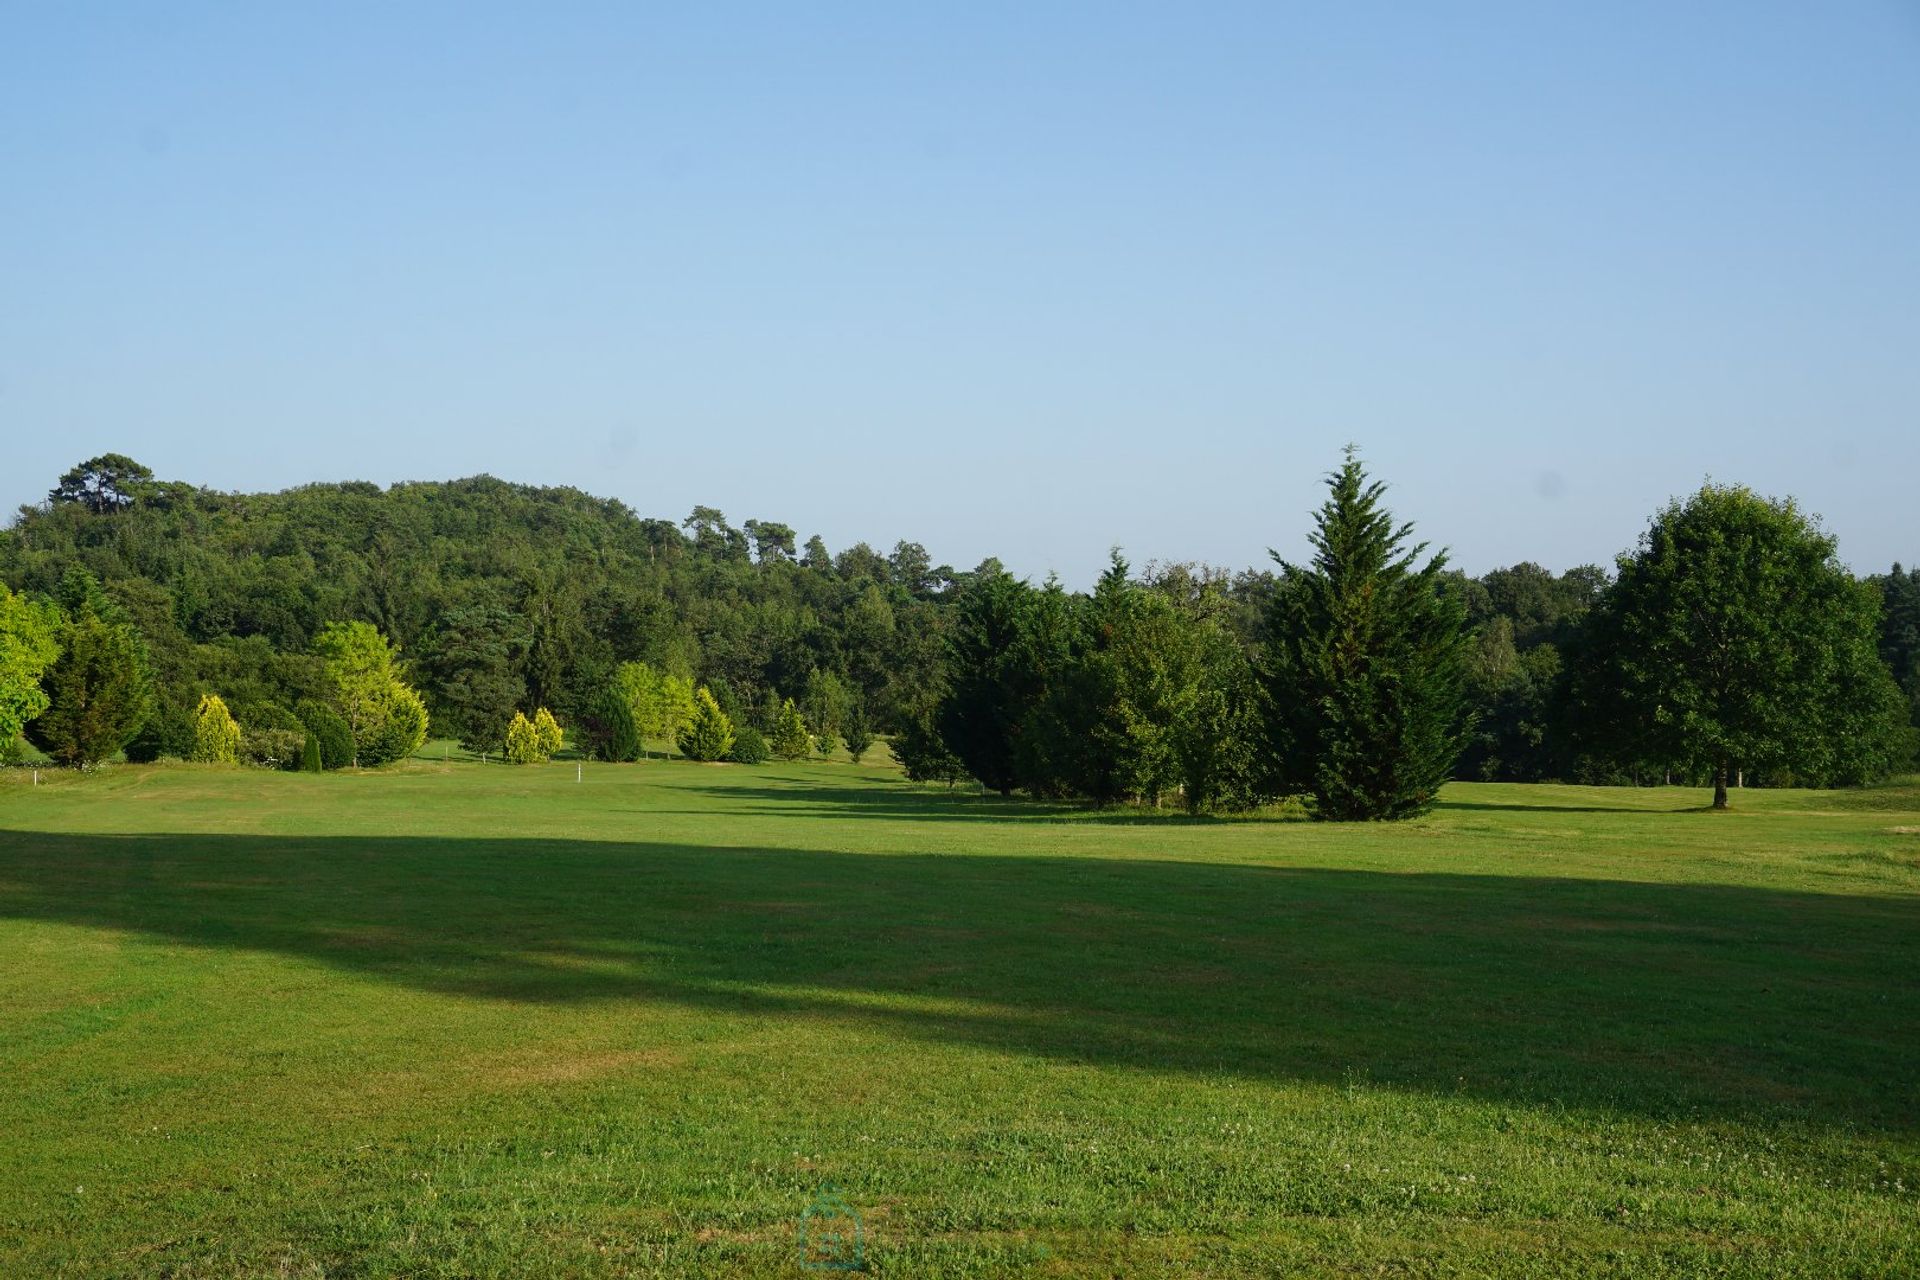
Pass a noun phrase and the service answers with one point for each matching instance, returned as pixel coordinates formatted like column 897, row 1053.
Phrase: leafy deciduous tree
column 1734, row 638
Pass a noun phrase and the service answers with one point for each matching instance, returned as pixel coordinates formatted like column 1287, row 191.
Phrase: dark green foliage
column 993, row 679
column 330, row 731
column 310, row 760
column 99, row 691
column 1900, row 645
column 608, row 731
column 857, row 733
column 103, row 485
column 1734, row 639
column 924, row 756
column 1524, row 620
column 167, row 733
column 267, row 715
column 1222, row 745
column 498, row 594
column 1364, row 664
column 749, row 746
column 470, row 664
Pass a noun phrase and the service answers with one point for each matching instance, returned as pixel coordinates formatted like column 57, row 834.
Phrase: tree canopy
column 1734, row 638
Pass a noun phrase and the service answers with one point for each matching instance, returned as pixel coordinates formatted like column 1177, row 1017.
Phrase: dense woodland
column 494, row 600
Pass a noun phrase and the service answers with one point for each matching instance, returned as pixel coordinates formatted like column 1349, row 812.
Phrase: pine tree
column 310, row 753
column 858, row 733
column 790, row 739
column 1365, row 663
column 709, row 736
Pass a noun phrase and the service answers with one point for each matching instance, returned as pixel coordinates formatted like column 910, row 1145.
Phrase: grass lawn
column 464, row 1020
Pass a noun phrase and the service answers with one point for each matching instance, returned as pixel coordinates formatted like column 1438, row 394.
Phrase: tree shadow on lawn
column 900, row 800
column 1666, row 1000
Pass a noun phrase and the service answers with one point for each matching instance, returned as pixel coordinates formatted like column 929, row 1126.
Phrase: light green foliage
column 216, row 734
column 523, row 741
column 1733, row 638
column 1365, row 663
column 546, row 730
column 825, row 702
column 790, row 739
column 29, row 644
column 387, row 719
column 401, row 733
column 709, row 735
column 678, row 707
column 532, row 741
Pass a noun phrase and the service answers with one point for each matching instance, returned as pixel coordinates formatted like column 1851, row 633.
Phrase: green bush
column 749, row 746
column 310, row 753
column 216, row 735
column 326, row 725
column 273, row 748
column 400, row 734
column 267, row 715
column 523, row 741
column 167, row 732
column 548, row 731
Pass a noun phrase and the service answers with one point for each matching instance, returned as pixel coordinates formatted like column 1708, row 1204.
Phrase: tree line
column 1729, row 644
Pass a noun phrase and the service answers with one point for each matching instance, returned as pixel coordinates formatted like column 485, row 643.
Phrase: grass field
column 459, row 1020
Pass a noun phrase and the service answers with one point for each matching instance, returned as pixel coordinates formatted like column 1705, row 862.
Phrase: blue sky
column 1026, row 280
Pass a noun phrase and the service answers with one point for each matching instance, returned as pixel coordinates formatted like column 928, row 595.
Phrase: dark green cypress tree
column 991, row 685
column 1364, row 668
column 310, row 754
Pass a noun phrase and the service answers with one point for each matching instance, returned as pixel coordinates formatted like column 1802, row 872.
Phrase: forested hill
column 505, row 597
column 544, row 590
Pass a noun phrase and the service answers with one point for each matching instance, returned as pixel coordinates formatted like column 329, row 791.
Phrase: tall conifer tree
column 1365, row 660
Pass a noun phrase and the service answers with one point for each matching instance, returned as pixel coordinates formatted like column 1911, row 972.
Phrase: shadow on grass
column 1651, row 999
column 901, row 800
column 1470, row 806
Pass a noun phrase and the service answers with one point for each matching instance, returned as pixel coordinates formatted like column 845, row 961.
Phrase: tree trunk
column 1720, row 787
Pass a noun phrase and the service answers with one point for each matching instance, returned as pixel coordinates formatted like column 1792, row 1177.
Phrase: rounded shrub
column 749, row 746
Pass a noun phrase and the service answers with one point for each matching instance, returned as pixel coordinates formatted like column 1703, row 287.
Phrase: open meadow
column 463, row 1020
